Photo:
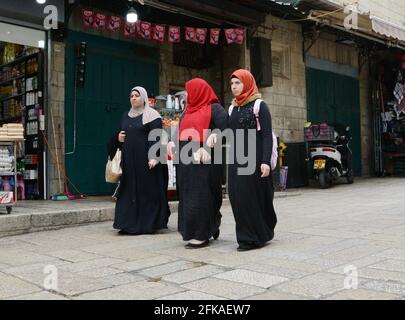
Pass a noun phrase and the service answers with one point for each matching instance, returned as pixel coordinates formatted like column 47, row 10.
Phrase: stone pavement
column 327, row 243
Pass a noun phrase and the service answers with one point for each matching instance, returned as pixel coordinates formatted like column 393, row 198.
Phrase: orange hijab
column 249, row 86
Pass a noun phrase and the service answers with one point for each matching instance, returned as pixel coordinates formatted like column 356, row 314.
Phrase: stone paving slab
column 191, row 295
column 11, row 286
column 141, row 290
column 252, row 278
column 314, row 286
column 361, row 294
column 192, row 274
column 223, row 288
column 40, row 296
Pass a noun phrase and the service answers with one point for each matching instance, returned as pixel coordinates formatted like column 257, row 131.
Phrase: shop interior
column 21, row 111
column 390, row 91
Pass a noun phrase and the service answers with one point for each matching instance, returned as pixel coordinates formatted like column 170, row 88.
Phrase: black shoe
column 216, row 235
column 126, row 233
column 197, row 246
column 249, row 246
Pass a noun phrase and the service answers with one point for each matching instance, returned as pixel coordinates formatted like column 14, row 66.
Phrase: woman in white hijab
column 141, row 205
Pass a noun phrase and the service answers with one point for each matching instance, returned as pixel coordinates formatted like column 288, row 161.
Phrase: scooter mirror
column 347, row 128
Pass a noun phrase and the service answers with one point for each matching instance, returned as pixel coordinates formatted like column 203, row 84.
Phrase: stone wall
column 56, row 119
column 287, row 97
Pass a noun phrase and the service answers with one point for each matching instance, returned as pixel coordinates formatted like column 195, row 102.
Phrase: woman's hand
column 152, row 163
column 265, row 168
column 169, row 149
column 121, row 136
column 202, row 156
column 212, row 140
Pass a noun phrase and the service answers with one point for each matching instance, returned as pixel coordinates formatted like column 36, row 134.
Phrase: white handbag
column 113, row 169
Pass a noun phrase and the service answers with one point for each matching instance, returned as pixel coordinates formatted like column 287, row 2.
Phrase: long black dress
column 251, row 196
column 199, row 188
column 142, row 205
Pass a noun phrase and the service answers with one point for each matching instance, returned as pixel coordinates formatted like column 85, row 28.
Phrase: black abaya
column 199, row 188
column 142, row 205
column 251, row 196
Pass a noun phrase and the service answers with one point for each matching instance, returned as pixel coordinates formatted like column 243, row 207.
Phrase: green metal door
column 112, row 69
column 334, row 98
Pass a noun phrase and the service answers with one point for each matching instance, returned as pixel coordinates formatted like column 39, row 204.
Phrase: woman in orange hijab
column 199, row 185
column 251, row 193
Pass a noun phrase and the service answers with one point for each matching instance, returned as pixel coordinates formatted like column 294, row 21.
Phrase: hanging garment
column 399, row 92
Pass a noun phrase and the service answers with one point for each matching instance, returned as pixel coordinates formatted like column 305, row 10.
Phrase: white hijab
column 148, row 114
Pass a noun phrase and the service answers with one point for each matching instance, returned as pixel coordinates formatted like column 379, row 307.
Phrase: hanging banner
column 240, row 35
column 100, row 21
column 214, row 36
column 200, row 35
column 114, row 24
column 129, row 29
column 87, row 18
column 145, row 30
column 174, row 34
column 159, row 33
column 190, row 34
column 230, row 35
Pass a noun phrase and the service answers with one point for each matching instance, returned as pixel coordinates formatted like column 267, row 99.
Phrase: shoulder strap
column 256, row 109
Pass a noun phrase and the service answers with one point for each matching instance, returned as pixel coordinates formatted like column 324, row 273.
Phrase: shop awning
column 387, row 28
column 29, row 13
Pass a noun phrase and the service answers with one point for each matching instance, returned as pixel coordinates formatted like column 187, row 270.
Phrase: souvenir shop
column 22, row 111
column 389, row 105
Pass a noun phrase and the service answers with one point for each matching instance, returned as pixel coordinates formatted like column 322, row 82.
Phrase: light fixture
column 132, row 15
column 41, row 1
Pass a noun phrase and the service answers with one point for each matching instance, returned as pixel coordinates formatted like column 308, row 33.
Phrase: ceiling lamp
column 132, row 15
column 41, row 1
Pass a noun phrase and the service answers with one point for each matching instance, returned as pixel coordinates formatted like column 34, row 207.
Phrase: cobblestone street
column 323, row 239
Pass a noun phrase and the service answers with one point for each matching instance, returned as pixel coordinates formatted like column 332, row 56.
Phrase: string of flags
column 157, row 32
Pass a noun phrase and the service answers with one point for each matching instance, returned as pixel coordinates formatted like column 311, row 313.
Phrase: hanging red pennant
column 239, row 35
column 145, row 29
column 214, row 36
column 129, row 29
column 200, row 35
column 174, row 34
column 114, row 24
column 190, row 34
column 230, row 35
column 88, row 18
column 100, row 21
column 159, row 33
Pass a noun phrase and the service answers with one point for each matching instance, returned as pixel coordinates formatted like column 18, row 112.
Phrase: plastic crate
column 319, row 132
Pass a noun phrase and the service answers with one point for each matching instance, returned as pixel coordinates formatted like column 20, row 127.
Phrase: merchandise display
column 21, row 109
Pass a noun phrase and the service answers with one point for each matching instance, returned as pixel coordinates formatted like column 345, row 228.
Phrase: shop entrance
column 334, row 98
column 93, row 112
column 22, row 110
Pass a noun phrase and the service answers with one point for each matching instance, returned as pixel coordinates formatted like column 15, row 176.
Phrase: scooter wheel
column 324, row 181
column 9, row 208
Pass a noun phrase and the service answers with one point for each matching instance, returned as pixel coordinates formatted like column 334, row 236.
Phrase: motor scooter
column 332, row 160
